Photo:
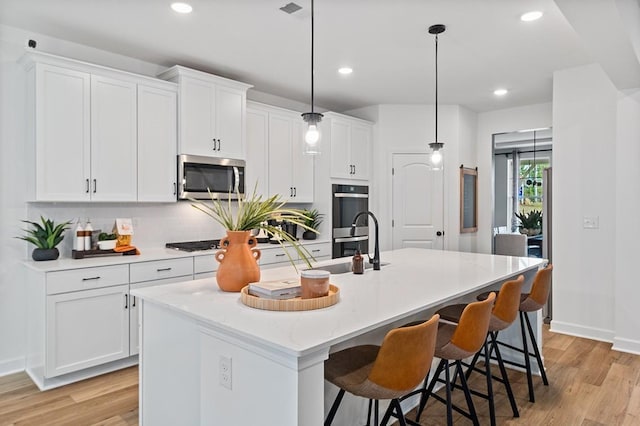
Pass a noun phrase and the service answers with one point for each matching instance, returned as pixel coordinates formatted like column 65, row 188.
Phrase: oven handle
column 236, row 175
column 349, row 195
column 350, row 239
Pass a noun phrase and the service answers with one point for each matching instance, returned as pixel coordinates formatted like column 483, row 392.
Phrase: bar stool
column 455, row 343
column 388, row 371
column 531, row 302
column 504, row 313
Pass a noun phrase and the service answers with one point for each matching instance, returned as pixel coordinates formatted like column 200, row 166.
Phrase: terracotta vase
column 238, row 261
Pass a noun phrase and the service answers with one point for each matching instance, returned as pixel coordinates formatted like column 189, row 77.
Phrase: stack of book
column 282, row 289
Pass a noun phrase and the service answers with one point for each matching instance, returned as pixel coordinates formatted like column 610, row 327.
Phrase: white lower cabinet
column 86, row 328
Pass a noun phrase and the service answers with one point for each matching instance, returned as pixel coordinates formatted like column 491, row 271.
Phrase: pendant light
column 312, row 135
column 436, row 146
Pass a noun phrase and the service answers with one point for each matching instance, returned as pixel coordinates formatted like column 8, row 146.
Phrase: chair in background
column 388, row 371
column 511, row 244
column 531, row 302
column 503, row 314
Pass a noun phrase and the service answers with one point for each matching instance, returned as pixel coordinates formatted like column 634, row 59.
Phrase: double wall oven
column 348, row 200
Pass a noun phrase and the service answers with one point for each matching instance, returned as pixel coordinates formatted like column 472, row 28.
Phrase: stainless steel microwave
column 198, row 176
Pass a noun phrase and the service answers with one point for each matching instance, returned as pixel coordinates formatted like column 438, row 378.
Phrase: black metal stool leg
column 503, row 373
column 536, row 351
column 492, row 408
column 369, row 413
column 448, row 391
column 334, row 408
column 467, row 395
column 527, row 361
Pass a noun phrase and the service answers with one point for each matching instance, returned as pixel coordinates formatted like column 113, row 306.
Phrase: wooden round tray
column 295, row 304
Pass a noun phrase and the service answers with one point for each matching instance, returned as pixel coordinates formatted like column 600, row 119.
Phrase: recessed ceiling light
column 345, row 70
column 531, row 16
column 500, row 92
column 181, row 7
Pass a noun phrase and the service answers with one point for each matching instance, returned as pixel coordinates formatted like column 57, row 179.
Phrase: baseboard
column 582, row 331
column 12, row 366
column 626, row 345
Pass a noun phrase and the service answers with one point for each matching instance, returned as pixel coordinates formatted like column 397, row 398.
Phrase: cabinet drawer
column 206, row 263
column 86, row 278
column 277, row 255
column 319, row 250
column 156, row 270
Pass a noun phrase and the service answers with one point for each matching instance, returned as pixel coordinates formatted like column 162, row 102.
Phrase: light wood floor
column 589, row 385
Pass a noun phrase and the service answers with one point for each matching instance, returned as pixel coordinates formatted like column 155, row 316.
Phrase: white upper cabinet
column 59, row 105
column 98, row 134
column 257, row 145
column 350, row 141
column 113, row 140
column 157, row 144
column 290, row 172
column 211, row 113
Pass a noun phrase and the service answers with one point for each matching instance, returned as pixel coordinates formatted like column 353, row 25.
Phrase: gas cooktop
column 195, row 245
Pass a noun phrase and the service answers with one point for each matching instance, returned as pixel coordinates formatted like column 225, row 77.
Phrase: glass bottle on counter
column 357, row 265
column 88, row 230
column 78, row 242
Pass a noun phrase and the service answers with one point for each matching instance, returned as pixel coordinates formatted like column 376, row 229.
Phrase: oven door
column 346, row 247
column 199, row 176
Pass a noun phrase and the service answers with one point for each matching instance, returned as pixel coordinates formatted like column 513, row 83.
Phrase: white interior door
column 417, row 203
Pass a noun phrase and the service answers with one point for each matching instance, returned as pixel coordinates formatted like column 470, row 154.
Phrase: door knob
column 439, row 233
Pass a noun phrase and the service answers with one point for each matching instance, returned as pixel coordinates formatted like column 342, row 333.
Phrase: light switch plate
column 590, row 222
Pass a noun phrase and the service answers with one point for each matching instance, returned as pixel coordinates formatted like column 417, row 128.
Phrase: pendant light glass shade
column 312, row 135
column 436, row 146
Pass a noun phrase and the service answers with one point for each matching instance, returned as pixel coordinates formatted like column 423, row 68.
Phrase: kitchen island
column 208, row 359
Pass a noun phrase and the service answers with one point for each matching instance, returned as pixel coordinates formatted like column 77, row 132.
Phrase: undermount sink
column 343, row 268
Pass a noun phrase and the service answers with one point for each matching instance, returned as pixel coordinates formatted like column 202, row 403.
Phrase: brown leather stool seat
column 454, row 343
column 531, row 302
column 503, row 314
column 389, row 371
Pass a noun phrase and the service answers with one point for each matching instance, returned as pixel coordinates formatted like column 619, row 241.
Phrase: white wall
column 490, row 123
column 627, row 290
column 584, row 153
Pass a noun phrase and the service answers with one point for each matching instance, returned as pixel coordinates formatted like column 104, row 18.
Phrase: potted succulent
column 45, row 237
column 313, row 221
column 530, row 223
column 107, row 241
column 238, row 256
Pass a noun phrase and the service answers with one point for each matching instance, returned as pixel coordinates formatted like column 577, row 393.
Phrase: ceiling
column 485, row 47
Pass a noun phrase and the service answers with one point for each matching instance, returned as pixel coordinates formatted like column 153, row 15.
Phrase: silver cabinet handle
column 163, row 269
column 126, row 301
column 219, row 145
column 87, row 185
column 315, row 251
column 280, row 255
column 214, row 143
column 295, row 191
column 91, row 279
column 95, row 185
column 133, row 305
column 175, row 188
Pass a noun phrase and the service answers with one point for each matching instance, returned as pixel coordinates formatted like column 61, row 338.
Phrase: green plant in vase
column 45, row 236
column 530, row 223
column 313, row 221
column 238, row 256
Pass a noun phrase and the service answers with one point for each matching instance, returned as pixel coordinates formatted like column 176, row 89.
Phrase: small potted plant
column 530, row 223
column 313, row 221
column 107, row 241
column 238, row 256
column 45, row 237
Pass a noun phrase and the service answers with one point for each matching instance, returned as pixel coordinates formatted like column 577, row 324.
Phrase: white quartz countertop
column 414, row 280
column 147, row 254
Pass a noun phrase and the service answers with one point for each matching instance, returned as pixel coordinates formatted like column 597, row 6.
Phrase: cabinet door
column 257, row 145
column 341, row 166
column 280, row 128
column 229, row 124
column 157, row 144
column 86, row 328
column 62, row 133
column 197, row 114
column 301, row 165
column 113, row 140
column 360, row 150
